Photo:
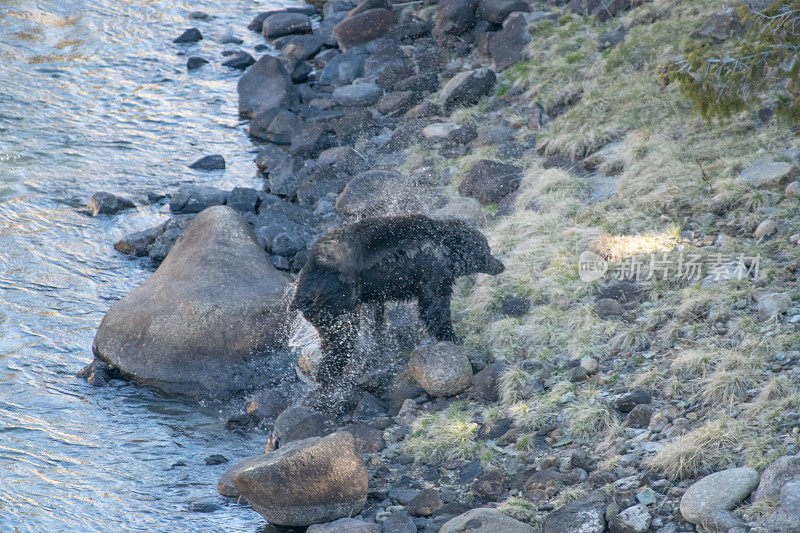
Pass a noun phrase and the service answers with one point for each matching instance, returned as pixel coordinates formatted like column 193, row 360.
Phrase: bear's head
column 471, row 251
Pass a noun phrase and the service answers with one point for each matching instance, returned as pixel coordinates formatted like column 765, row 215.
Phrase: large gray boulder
column 720, row 490
column 201, row 321
column 441, row 369
column 783, row 470
column 266, row 85
column 306, row 482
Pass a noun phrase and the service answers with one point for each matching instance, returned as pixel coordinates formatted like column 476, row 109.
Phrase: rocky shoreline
column 342, row 102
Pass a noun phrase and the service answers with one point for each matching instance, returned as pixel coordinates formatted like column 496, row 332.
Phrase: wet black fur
column 375, row 260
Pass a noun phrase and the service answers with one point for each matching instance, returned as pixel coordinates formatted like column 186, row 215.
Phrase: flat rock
column 357, row 94
column 345, row 525
column 720, row 26
column 196, row 198
column 634, row 519
column 306, row 482
column 195, row 62
column 105, row 203
column 199, row 323
column 266, row 85
column 239, row 61
column 766, row 172
column 441, row 369
column 484, row 520
column 280, row 24
column 586, row 515
column 721, row 490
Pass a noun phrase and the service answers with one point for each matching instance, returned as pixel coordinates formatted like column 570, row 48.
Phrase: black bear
column 385, row 258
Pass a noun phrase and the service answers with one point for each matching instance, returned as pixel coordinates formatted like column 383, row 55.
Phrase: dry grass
column 700, row 451
column 449, row 434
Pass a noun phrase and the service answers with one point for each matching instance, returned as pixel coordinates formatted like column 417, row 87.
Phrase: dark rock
column 209, row 162
column 363, row 27
column 96, row 373
column 289, row 243
column 425, row 503
column 239, row 61
column 367, row 439
column 230, row 39
column 353, row 124
column 455, row 17
column 324, row 31
column 496, row 11
column 297, row 423
column 244, row 199
column 423, row 110
column 467, row 88
column 342, row 70
column 267, row 404
column 369, row 407
column 358, row 94
column 306, row 482
column 198, row 15
column 485, row 383
column 410, row 30
column 538, row 118
column 105, row 203
column 623, row 291
column 203, row 506
column 266, row 85
column 585, row 514
column 608, row 307
column 194, row 62
column 509, row 45
column 515, row 306
column 257, row 24
column 271, row 158
column 275, row 125
column 280, row 24
column 366, row 5
column 495, row 428
column 399, row 522
column 611, row 38
column 575, row 374
column 639, row 416
column 401, row 393
column 192, row 35
column 345, row 525
column 332, row 7
column 472, row 470
column 215, row 459
column 308, row 141
column 398, row 102
column 137, row 243
column 168, row 332
column 489, row 181
column 580, row 459
column 490, row 486
column 425, row 82
column 171, row 230
column 280, row 262
column 720, row 26
column 193, row 198
column 626, row 402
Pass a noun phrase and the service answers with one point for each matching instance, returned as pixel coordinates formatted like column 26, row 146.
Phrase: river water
column 95, row 96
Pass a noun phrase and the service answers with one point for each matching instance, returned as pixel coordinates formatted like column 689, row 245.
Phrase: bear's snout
column 495, row 266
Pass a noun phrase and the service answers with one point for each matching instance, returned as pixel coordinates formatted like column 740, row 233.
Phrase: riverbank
column 600, row 396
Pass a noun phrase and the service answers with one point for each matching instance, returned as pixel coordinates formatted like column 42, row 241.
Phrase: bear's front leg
column 338, row 342
column 434, row 311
